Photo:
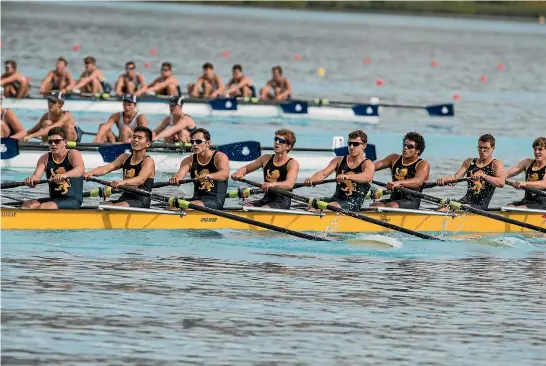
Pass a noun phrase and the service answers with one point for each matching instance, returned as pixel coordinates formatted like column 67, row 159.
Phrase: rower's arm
column 232, row 87
column 37, row 126
column 498, row 178
column 83, row 81
column 143, row 87
column 255, row 165
column 293, row 168
column 164, row 123
column 167, row 132
column 10, row 79
column 222, row 163
column 326, row 172
column 110, row 167
column 221, row 87
column 421, row 176
column 185, row 166
column 142, row 120
column 44, row 130
column 462, row 170
column 147, row 171
column 75, row 158
column 40, row 167
column 540, row 184
column 101, row 134
column 47, row 80
column 158, row 85
column 198, row 85
column 386, row 163
column 287, row 92
column 120, row 83
column 521, row 167
column 265, row 90
column 71, row 82
column 13, row 122
column 368, row 170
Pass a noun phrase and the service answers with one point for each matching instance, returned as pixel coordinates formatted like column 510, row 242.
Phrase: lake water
column 226, row 297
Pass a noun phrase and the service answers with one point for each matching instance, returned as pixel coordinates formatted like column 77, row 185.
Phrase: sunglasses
column 409, row 146
column 196, row 141
column 484, row 148
column 280, row 140
column 55, row 141
column 165, row 70
column 354, row 143
column 129, row 68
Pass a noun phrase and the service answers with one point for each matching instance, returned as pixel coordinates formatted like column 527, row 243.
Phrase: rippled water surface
column 169, row 297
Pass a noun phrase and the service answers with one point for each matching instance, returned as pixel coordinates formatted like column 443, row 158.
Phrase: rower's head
column 129, row 103
column 200, row 140
column 413, row 145
column 55, row 101
column 141, row 139
column 486, row 146
column 175, row 104
column 56, row 139
column 130, row 68
column 166, row 69
column 10, row 66
column 237, row 71
column 357, row 142
column 61, row 64
column 208, row 70
column 276, row 72
column 539, row 148
column 284, row 140
column 90, row 63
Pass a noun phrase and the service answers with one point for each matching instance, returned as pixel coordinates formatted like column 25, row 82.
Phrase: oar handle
column 8, row 185
column 533, row 190
column 435, row 184
column 325, row 181
column 164, row 184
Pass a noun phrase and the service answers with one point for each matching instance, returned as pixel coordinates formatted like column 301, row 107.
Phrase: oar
column 434, row 184
column 107, row 192
column 180, row 203
column 537, row 191
column 8, row 185
column 326, row 206
column 165, row 184
column 460, row 206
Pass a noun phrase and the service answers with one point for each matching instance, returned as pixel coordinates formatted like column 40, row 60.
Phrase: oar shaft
column 8, row 185
column 435, row 184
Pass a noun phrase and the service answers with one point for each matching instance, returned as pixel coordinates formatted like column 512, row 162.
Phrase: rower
column 14, row 83
column 91, row 79
column 280, row 171
column 131, row 82
column 177, row 126
column 240, row 85
column 166, row 84
column 485, row 173
column 354, row 172
column 11, row 127
column 138, row 170
column 54, row 117
column 209, row 85
column 535, row 177
column 59, row 79
column 408, row 170
column 64, row 168
column 208, row 168
column 126, row 121
column 278, row 88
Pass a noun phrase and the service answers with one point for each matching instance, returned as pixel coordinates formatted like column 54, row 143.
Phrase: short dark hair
column 359, row 133
column 540, row 142
column 208, row 65
column 130, row 63
column 12, row 63
column 487, row 138
column 146, row 131
column 277, row 68
column 168, row 64
column 57, row 131
column 63, row 60
column 418, row 139
column 237, row 67
column 90, row 60
column 205, row 133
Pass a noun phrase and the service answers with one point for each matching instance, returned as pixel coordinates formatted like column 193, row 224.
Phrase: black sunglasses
column 164, row 70
column 280, row 140
column 354, row 143
column 55, row 141
column 409, row 146
column 196, row 141
column 128, row 68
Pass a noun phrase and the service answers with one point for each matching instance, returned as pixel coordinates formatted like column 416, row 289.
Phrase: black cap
column 56, row 96
column 131, row 98
column 177, row 100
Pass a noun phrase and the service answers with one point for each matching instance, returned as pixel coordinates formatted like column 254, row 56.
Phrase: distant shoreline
column 534, row 11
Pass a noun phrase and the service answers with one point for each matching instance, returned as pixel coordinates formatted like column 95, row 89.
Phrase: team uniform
column 131, row 171
column 273, row 173
column 480, row 191
column 400, row 172
column 532, row 200
column 211, row 192
column 135, row 81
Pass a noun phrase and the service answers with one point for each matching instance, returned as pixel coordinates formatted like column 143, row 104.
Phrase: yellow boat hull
column 95, row 219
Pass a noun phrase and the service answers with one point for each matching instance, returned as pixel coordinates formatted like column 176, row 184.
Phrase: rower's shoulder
column 526, row 162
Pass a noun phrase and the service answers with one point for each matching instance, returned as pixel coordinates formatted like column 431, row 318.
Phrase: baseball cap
column 131, row 98
column 176, row 100
column 56, row 96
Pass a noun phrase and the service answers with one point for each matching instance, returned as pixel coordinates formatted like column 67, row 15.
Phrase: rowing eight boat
column 112, row 217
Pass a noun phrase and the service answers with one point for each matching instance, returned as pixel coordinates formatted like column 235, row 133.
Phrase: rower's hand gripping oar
column 326, row 206
column 533, row 190
column 180, row 203
column 7, row 185
column 459, row 206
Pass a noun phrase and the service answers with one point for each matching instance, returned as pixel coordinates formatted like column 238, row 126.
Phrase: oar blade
column 110, row 153
column 242, row 151
column 441, row 110
column 9, row 148
column 369, row 151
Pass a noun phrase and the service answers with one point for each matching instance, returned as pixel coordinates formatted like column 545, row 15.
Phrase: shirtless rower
column 240, row 85
column 354, row 172
column 278, row 88
column 280, row 171
column 176, row 127
column 166, row 84
column 535, row 177
column 138, row 170
column 14, row 83
column 131, row 82
column 11, row 127
column 209, row 85
column 209, row 168
column 485, row 172
column 54, row 117
column 408, row 170
column 91, row 79
column 126, row 122
column 59, row 79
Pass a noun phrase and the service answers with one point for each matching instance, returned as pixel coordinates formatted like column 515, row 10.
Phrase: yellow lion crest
column 533, row 177
column 401, row 173
column 128, row 174
column 349, row 185
column 206, row 184
column 63, row 186
column 272, row 176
